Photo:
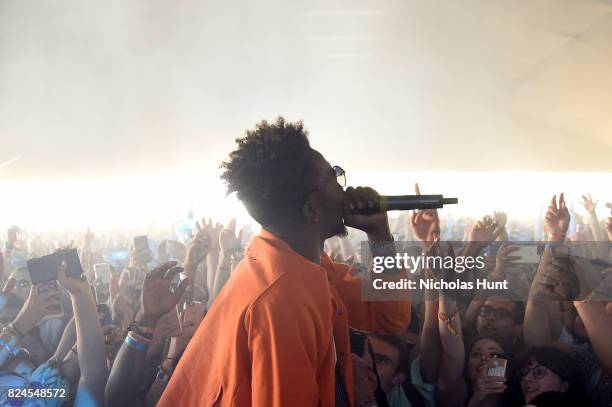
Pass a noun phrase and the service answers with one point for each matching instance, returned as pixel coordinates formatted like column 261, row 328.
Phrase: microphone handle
column 407, row 202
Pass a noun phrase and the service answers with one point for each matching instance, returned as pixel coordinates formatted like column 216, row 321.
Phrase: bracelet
column 448, row 319
column 135, row 343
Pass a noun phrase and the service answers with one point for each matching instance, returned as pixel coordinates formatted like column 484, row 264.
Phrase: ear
column 309, row 212
column 398, row 379
column 564, row 386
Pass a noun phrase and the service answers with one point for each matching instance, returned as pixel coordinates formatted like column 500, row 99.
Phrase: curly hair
column 271, row 169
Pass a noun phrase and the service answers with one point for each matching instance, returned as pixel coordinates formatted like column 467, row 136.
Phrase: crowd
column 114, row 335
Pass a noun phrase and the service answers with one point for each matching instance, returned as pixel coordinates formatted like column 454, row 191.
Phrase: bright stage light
column 142, row 202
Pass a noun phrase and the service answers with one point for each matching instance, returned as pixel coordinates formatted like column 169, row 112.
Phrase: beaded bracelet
column 448, row 319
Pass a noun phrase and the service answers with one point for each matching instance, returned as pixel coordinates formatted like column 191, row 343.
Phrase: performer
column 278, row 334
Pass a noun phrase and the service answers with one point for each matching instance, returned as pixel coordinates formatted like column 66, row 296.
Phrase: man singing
column 278, row 333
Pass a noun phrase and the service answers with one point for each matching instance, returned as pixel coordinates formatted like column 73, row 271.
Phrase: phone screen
column 102, row 271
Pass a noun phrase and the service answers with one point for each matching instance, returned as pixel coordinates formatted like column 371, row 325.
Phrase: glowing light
column 139, row 202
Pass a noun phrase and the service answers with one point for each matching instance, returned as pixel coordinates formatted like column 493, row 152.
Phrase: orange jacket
column 268, row 339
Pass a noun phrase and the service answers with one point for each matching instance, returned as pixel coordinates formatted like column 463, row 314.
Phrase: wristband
column 134, row 343
column 140, row 338
column 145, row 332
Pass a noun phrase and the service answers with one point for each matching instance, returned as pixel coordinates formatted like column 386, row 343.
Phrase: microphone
column 406, row 202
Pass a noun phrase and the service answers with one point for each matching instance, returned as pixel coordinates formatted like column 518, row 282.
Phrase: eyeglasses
column 498, row 313
column 538, row 371
column 340, row 175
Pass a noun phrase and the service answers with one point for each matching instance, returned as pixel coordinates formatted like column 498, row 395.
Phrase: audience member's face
column 328, row 199
column 496, row 318
column 481, row 352
column 537, row 379
column 387, row 359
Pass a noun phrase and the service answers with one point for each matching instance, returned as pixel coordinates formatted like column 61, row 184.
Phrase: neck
column 303, row 243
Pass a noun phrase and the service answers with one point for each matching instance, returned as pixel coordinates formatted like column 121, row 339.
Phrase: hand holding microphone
column 365, row 209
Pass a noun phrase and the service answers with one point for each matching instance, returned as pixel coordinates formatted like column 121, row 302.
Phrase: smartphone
column 45, row 268
column 104, row 314
column 498, row 370
column 102, row 272
column 101, row 291
column 51, row 290
column 528, row 253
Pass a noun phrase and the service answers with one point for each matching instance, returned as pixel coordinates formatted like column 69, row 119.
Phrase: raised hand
column 557, row 219
column 501, row 218
column 485, row 231
column 486, row 385
column 74, row 285
column 425, row 223
column 588, row 203
column 157, row 298
column 481, row 234
column 213, row 234
column 502, row 259
column 229, row 242
column 198, row 248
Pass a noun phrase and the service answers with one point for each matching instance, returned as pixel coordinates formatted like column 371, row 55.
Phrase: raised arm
column 451, row 385
column 229, row 242
column 90, row 340
column 598, row 324
column 590, row 207
column 126, row 381
column 197, row 250
column 542, row 322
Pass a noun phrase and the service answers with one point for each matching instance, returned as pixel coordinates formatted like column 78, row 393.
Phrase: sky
column 112, row 99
